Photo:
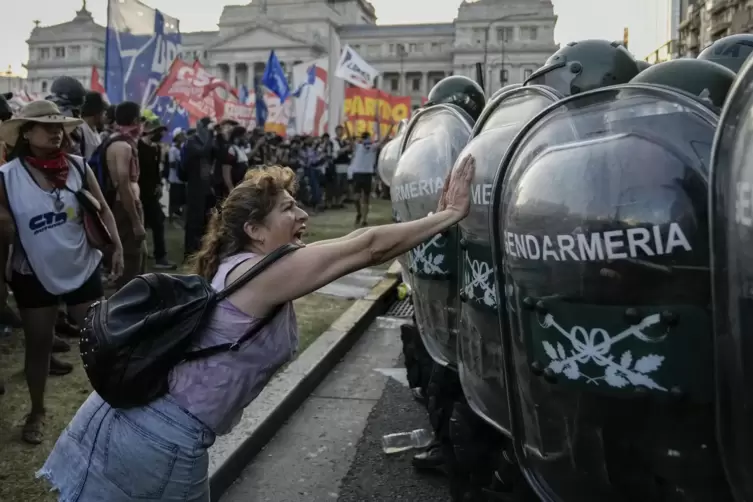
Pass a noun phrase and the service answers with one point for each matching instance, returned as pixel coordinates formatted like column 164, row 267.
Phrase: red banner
column 374, row 111
column 202, row 94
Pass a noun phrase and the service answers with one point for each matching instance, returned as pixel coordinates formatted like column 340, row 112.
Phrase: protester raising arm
column 315, row 266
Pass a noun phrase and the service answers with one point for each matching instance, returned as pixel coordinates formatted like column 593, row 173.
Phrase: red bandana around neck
column 133, row 132
column 55, row 169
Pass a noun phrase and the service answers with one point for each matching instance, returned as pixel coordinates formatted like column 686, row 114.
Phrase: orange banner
column 374, row 111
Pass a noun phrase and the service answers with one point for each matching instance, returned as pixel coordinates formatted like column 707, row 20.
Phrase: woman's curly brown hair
column 249, row 202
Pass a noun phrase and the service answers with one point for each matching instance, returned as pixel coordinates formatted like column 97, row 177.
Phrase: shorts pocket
column 137, row 461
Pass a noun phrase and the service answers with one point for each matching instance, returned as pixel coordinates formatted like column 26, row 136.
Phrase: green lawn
column 19, row 461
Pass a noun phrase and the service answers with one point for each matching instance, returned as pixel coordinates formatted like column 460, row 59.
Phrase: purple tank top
column 217, row 389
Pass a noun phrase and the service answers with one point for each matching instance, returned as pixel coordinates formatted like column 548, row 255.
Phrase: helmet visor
column 556, row 76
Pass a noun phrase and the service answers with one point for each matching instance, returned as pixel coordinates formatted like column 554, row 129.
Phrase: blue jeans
column 156, row 452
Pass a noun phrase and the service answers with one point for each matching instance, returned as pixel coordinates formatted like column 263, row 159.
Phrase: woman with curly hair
column 159, row 451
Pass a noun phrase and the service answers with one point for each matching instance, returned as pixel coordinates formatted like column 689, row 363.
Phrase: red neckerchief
column 55, row 169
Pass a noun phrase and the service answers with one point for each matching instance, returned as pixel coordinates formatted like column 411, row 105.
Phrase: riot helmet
column 642, row 65
column 68, row 94
column 708, row 80
column 584, row 66
column 460, row 91
column 731, row 51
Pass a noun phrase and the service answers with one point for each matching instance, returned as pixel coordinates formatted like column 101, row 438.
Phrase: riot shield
column 387, row 162
column 732, row 271
column 431, row 143
column 600, row 236
column 479, row 340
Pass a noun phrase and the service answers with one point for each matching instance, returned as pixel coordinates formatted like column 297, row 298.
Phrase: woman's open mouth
column 299, row 234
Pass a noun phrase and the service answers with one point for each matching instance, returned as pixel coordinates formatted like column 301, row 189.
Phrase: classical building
column 513, row 37
column 703, row 22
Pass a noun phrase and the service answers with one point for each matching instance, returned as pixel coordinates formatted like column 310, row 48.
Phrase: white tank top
column 53, row 244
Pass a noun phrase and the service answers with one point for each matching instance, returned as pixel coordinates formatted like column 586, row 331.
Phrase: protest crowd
column 206, row 162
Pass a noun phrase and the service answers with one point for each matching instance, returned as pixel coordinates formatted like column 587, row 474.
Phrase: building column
column 250, row 77
column 425, row 84
column 232, row 75
column 378, row 82
column 401, row 84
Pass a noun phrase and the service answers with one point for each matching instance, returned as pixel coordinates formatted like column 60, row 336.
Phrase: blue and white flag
column 310, row 80
column 261, row 105
column 243, row 94
column 141, row 44
column 274, row 78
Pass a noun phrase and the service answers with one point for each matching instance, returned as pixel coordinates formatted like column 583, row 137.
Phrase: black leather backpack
column 131, row 341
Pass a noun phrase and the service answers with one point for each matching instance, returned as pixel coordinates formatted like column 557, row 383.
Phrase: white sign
column 352, row 68
column 598, row 246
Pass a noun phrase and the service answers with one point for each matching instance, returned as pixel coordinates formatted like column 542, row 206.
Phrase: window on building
column 44, row 86
column 374, row 49
column 505, row 34
column 436, row 47
column 416, row 84
column 101, row 54
column 75, row 51
column 206, row 55
column 60, row 52
column 527, row 74
column 44, row 53
column 412, row 47
column 504, row 77
column 529, row 32
column 479, row 34
column 394, row 85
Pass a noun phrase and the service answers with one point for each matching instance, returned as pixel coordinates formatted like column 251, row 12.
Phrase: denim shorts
column 156, row 452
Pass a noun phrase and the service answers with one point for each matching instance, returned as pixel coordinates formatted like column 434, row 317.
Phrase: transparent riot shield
column 387, row 162
column 732, row 270
column 600, row 234
column 479, row 340
column 431, row 143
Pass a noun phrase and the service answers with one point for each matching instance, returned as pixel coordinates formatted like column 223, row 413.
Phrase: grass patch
column 19, row 461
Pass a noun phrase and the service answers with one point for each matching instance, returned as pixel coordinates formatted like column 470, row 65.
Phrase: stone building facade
column 513, row 37
column 703, row 22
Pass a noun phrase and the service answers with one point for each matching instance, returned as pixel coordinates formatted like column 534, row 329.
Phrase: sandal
column 58, row 367
column 32, row 431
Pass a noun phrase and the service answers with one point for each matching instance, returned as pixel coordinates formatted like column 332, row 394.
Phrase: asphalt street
column 330, row 450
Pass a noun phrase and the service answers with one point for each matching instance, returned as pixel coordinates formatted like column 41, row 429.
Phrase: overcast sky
column 578, row 19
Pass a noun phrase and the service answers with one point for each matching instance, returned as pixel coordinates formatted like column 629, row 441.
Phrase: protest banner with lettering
column 374, row 111
column 202, row 94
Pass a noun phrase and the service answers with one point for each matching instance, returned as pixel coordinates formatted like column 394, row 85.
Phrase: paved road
column 330, row 450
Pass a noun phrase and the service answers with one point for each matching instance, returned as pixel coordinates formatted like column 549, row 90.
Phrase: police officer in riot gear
column 601, row 241
column 431, row 143
column 480, row 426
column 582, row 66
column 732, row 271
column 731, row 51
column 704, row 79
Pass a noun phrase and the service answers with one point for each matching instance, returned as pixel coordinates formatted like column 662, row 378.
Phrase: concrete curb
column 289, row 389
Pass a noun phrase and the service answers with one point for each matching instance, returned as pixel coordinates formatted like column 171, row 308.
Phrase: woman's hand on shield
column 456, row 194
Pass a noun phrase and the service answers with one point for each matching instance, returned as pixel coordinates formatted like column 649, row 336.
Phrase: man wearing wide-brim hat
column 54, row 262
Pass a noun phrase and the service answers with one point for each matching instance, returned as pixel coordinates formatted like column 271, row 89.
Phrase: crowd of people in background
column 131, row 159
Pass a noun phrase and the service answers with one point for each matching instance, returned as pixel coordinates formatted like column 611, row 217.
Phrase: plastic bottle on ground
column 404, row 441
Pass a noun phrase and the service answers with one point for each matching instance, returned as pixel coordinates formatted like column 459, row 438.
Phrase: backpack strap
column 257, row 269
column 81, row 171
column 254, row 271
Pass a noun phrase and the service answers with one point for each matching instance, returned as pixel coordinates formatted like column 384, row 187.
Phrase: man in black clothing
column 199, row 164
column 150, row 185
